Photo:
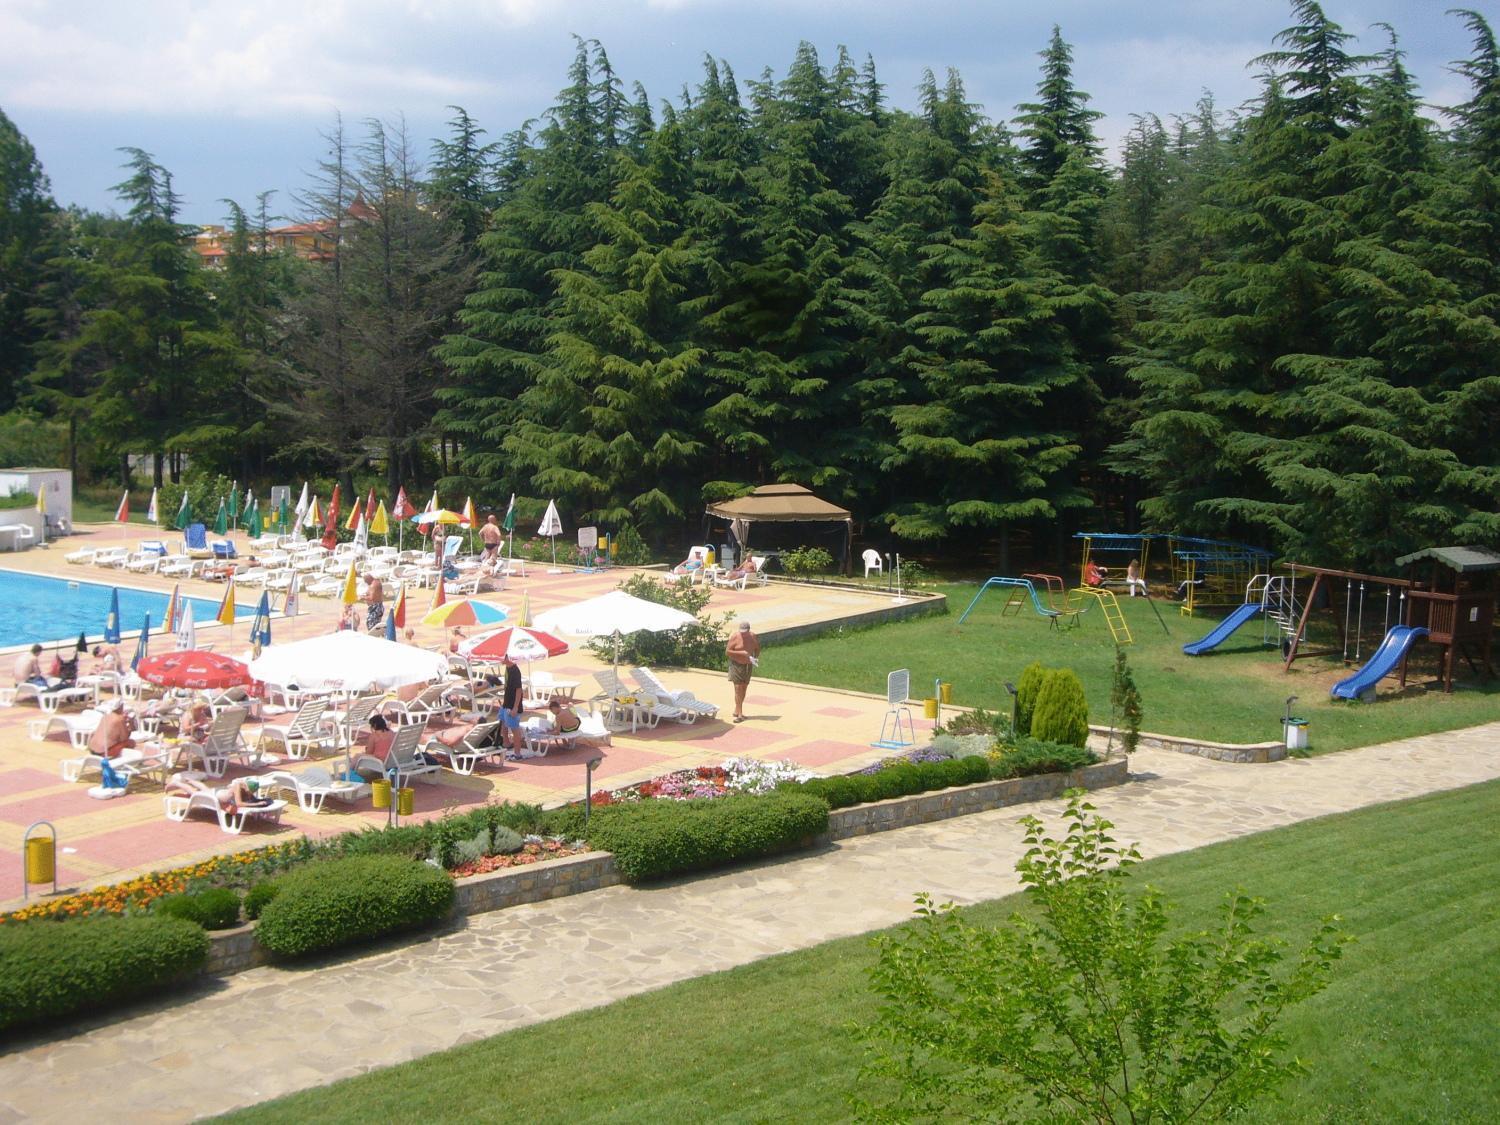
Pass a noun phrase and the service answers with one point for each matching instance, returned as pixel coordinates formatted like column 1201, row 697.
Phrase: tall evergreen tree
column 28, row 238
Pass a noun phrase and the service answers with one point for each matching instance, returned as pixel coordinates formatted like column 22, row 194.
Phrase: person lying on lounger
column 243, row 792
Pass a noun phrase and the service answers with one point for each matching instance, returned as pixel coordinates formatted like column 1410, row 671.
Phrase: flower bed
column 734, row 775
column 530, row 853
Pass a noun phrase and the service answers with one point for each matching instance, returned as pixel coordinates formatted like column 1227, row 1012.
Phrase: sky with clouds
column 231, row 97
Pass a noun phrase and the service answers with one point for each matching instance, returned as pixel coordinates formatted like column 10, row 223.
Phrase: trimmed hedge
column 1027, row 688
column 54, row 969
column 1061, row 713
column 653, row 839
column 342, row 901
column 899, row 779
column 437, row 839
column 214, row 909
column 257, row 898
column 1032, row 756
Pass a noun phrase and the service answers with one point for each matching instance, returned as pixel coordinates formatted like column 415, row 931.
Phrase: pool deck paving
column 271, row 1031
column 108, row 841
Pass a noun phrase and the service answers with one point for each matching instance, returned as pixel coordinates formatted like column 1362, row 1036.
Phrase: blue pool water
column 36, row 608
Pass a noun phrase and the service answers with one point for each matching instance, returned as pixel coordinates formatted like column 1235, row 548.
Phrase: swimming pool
column 36, row 608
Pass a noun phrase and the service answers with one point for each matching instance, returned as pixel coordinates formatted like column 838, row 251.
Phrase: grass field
column 1405, row 1032
column 1235, row 694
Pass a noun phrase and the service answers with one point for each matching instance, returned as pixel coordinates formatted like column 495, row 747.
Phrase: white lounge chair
column 178, row 805
column 475, row 747
column 647, row 680
column 313, row 786
column 178, row 566
column 540, row 736
column 753, row 574
column 129, row 763
column 431, row 704
column 81, row 556
column 49, row 699
column 307, row 731
column 111, row 556
column 352, row 719
column 222, row 742
column 404, row 761
column 79, row 727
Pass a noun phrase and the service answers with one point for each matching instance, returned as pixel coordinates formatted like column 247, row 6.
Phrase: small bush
column 977, row 721
column 53, row 969
column 1031, row 756
column 473, row 849
column 258, row 896
column 342, row 901
column 505, row 840
column 215, row 909
column 1062, row 711
column 629, row 549
column 1026, row 692
column 806, row 560
column 653, row 839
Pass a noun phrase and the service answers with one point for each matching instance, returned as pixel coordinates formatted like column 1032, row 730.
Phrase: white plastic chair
column 873, row 562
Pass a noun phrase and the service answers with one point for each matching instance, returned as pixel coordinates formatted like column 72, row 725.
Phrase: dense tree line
column 1276, row 325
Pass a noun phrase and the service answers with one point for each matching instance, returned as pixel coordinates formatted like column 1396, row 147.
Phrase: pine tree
column 28, row 238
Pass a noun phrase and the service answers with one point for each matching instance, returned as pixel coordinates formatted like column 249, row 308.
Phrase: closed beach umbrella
column 187, row 632
column 398, row 614
column 83, row 644
column 525, row 618
column 390, row 626
column 350, row 593
column 225, row 616
column 184, row 513
column 152, row 516
column 194, row 669
column 354, row 515
column 169, row 622
column 234, row 501
column 255, row 527
column 331, row 521
column 289, row 607
column 260, row 627
column 551, row 528
column 314, row 516
column 284, row 516
column 122, row 513
column 379, row 523
column 112, row 619
column 249, row 503
column 221, row 521
column 143, row 644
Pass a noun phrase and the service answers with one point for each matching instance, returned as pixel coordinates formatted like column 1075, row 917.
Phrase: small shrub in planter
column 50, row 969
column 653, row 839
column 1061, row 713
column 214, row 909
column 342, row 901
column 1031, row 756
column 258, row 896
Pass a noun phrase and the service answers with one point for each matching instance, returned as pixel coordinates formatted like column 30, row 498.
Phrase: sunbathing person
column 28, row 668
column 378, row 744
column 243, row 792
column 113, row 732
column 195, row 722
column 565, row 720
column 107, row 659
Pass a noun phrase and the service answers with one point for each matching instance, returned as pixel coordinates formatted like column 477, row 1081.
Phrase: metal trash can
column 1296, row 733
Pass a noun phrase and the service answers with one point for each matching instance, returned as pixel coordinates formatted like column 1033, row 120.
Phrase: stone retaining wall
column 232, row 951
column 1236, row 753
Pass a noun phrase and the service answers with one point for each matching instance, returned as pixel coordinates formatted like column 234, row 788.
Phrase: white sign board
column 281, row 493
column 898, row 687
column 588, row 537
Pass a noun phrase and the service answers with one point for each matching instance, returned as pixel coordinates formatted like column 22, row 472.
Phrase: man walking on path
column 743, row 651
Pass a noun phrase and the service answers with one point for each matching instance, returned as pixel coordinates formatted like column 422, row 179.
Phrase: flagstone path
column 271, row 1031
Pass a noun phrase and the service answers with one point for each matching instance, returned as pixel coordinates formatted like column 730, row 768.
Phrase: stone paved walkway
column 272, row 1031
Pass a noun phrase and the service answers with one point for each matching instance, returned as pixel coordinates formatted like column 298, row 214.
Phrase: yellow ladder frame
column 1114, row 617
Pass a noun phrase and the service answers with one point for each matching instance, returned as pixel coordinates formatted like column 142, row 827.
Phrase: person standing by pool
column 491, row 535
column 743, row 651
column 375, row 599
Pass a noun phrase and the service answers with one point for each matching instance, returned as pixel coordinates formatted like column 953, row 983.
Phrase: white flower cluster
column 751, row 775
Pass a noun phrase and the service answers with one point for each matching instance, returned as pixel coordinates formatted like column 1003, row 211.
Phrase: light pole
column 588, row 788
column 1010, row 687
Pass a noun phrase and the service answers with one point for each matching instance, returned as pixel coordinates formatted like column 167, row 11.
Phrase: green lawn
column 1405, row 1032
column 1235, row 694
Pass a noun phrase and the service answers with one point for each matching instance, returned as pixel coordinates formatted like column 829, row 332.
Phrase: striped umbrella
column 466, row 611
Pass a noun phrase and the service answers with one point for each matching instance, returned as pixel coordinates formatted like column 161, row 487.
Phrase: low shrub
column 961, row 745
column 437, row 839
column 977, row 721
column 806, row 560
column 214, row 909
column 1032, row 756
column 338, row 902
column 895, row 779
column 505, row 840
column 1061, row 713
column 258, row 896
column 653, row 839
column 49, row 970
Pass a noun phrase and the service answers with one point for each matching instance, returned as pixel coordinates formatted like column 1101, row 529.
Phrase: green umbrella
column 221, row 521
column 234, row 501
column 250, row 502
column 184, row 513
column 254, row 526
column 284, row 516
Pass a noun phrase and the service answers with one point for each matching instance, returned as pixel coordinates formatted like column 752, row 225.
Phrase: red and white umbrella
column 196, row 668
column 514, row 642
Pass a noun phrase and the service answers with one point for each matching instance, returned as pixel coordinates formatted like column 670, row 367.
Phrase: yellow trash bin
column 380, row 794
column 947, row 693
column 41, row 859
column 930, row 708
column 708, row 557
column 406, row 801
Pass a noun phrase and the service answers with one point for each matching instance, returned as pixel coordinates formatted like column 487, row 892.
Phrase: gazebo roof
column 1465, row 560
column 779, row 503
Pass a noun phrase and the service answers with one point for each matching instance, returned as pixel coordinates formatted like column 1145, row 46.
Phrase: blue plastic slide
column 1222, row 629
column 1390, row 653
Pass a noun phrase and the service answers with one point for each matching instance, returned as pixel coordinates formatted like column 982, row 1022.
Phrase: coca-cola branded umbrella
column 196, row 669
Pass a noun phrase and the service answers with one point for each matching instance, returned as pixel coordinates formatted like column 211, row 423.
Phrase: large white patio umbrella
column 613, row 614
column 347, row 660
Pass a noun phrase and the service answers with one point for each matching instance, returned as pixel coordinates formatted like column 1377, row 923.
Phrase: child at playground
column 1094, row 574
column 1134, row 581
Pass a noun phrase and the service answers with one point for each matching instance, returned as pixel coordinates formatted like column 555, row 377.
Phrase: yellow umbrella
column 438, row 515
column 41, row 499
column 351, row 587
column 525, row 620
column 314, row 517
column 378, row 523
column 225, row 615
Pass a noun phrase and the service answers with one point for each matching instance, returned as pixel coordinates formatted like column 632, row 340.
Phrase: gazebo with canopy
column 788, row 515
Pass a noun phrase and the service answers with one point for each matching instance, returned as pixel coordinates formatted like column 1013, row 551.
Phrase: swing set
column 1358, row 590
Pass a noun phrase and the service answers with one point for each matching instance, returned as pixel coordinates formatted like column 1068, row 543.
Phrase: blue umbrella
column 390, row 625
column 260, row 628
column 112, row 622
column 142, row 646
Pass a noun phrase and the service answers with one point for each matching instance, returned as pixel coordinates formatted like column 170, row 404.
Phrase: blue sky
column 231, row 97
